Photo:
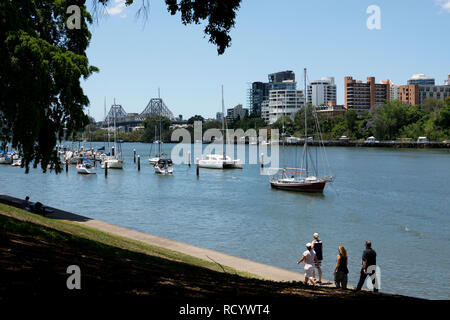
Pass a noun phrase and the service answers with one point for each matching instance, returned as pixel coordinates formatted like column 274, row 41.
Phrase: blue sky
column 328, row 37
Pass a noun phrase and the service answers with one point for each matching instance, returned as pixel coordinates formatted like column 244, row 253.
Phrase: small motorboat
column 84, row 167
column 17, row 163
column 218, row 161
column 164, row 166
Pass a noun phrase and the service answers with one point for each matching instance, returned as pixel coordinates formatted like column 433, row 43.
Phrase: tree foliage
column 152, row 127
column 41, row 63
column 194, row 118
column 219, row 14
column 391, row 121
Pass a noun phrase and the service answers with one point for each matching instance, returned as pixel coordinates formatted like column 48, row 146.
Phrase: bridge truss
column 157, row 107
column 116, row 112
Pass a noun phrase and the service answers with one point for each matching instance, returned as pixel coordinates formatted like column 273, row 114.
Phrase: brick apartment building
column 360, row 96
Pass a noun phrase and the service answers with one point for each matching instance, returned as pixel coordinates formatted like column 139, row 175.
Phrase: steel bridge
column 155, row 107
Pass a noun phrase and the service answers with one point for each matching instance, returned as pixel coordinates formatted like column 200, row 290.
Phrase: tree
column 41, row 63
column 219, row 16
column 299, row 120
column 151, row 124
column 432, row 105
column 392, row 116
column 285, row 121
column 197, row 117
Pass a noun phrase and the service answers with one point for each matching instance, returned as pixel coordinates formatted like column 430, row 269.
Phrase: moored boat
column 303, row 179
column 216, row 161
column 164, row 166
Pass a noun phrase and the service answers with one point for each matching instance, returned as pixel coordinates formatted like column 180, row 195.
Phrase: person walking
column 317, row 247
column 309, row 257
column 341, row 270
column 369, row 258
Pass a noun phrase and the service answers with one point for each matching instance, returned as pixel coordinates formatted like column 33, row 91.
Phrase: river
column 398, row 199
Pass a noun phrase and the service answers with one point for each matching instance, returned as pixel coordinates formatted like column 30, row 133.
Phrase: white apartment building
column 395, row 92
column 285, row 102
column 447, row 82
column 321, row 92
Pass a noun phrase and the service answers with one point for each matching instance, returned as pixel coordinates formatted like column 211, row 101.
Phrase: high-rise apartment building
column 409, row 94
column 414, row 95
column 421, row 79
column 321, row 92
column 394, row 89
column 284, row 80
column 219, row 116
column 238, row 112
column 281, row 76
column 285, row 102
column 257, row 93
column 360, row 96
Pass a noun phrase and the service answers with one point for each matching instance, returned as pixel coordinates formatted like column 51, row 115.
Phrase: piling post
column 262, row 160
column 67, row 165
column 198, row 168
column 134, row 155
column 139, row 162
column 106, row 169
column 189, row 158
column 113, row 151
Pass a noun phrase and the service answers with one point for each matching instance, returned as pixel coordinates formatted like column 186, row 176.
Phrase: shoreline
column 287, row 281
column 338, row 143
column 257, row 269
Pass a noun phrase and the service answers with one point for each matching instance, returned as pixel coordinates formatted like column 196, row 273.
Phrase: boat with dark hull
column 310, row 184
column 305, row 178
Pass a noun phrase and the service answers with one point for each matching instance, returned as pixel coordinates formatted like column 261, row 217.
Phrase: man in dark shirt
column 369, row 258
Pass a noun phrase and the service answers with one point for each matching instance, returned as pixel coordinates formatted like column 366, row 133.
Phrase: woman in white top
column 309, row 256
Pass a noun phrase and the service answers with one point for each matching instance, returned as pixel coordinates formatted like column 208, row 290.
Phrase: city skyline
column 137, row 58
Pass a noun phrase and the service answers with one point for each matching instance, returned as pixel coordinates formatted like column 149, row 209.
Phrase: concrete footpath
column 256, row 268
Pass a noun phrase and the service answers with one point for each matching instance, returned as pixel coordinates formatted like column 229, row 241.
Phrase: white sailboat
column 154, row 160
column 303, row 179
column 164, row 165
column 217, row 161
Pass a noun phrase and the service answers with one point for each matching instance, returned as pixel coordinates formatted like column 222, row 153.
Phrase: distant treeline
column 391, row 121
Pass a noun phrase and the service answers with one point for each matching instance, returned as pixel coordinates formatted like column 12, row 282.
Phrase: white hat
column 308, row 245
column 315, row 235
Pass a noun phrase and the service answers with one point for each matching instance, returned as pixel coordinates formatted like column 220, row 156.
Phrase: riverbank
column 36, row 250
column 355, row 143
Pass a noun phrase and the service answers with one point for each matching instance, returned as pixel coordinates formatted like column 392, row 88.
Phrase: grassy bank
column 35, row 253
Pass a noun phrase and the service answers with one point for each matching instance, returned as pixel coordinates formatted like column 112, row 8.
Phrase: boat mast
column 223, row 125
column 104, row 137
column 109, row 138
column 115, row 146
column 306, row 126
column 160, row 139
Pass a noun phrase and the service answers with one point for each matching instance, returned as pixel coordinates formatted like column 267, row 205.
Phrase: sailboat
column 164, row 165
column 302, row 179
column 217, row 161
column 154, row 160
column 114, row 161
